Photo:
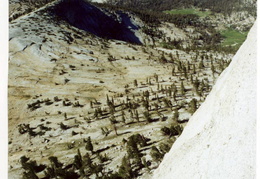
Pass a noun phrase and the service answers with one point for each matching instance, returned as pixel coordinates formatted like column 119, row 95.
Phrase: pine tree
column 135, row 83
column 113, row 122
column 193, row 105
column 176, row 115
column 202, row 85
column 194, row 69
column 156, row 106
column 188, row 66
column 145, row 163
column 221, row 66
column 125, row 170
column 185, row 72
column 156, row 154
column 78, row 160
column 108, row 101
column 146, row 94
column 191, row 78
column 167, row 102
column 212, row 68
column 96, row 169
column 182, row 89
column 102, row 158
column 137, row 116
column 164, row 148
column 89, row 145
column 55, row 163
column 171, row 57
column 80, row 156
column 156, row 77
column 196, row 84
column 23, row 160
column 30, row 168
column 123, row 116
column 173, row 70
column 174, row 89
column 87, row 160
column 170, row 91
column 147, row 116
column 132, row 148
column 201, row 65
column 177, row 54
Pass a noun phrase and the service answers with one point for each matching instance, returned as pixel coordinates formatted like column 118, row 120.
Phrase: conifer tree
column 201, row 65
column 171, row 57
column 182, row 89
column 196, row 84
column 30, row 168
column 113, row 122
column 137, row 116
column 145, row 163
column 170, row 91
column 78, row 160
column 193, row 105
column 135, row 83
column 202, row 85
column 156, row 154
column 156, row 77
column 194, row 69
column 123, row 116
column 108, row 101
column 176, row 115
column 87, row 160
column 191, row 78
column 177, row 54
column 125, row 170
column 54, row 162
column 173, row 70
column 185, row 72
column 188, row 66
column 147, row 116
column 89, row 145
column 164, row 148
column 212, row 68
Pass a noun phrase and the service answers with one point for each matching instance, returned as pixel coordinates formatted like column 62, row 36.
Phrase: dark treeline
column 226, row 7
column 152, row 5
column 220, row 6
column 154, row 18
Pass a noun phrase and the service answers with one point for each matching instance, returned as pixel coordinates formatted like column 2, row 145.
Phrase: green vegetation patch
column 233, row 37
column 189, row 11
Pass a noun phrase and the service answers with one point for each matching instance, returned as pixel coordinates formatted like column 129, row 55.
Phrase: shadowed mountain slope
column 102, row 23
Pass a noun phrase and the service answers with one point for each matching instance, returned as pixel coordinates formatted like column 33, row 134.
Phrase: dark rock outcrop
column 97, row 21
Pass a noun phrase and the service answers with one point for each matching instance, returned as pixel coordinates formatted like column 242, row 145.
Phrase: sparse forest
column 98, row 107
